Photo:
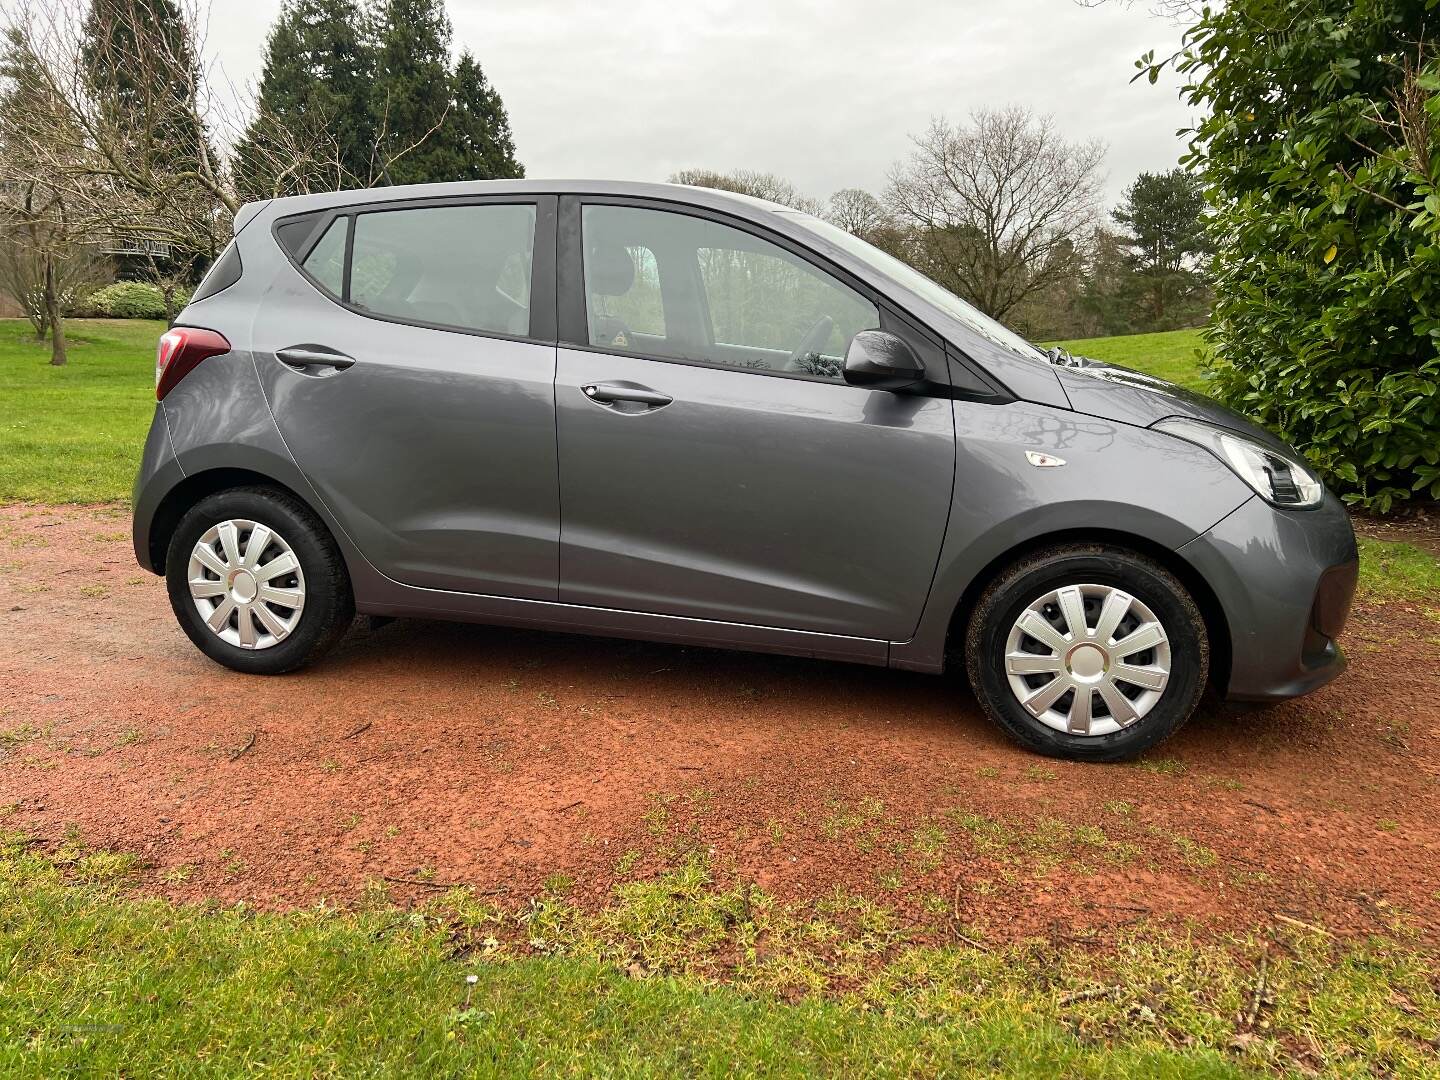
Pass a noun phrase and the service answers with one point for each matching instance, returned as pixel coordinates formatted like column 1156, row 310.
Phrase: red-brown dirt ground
column 497, row 759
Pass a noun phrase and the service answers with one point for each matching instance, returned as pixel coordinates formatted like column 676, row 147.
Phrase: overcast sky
column 823, row 92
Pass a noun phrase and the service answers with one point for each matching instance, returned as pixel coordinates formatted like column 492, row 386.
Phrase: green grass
column 73, row 434
column 1390, row 570
column 677, row 977
column 1171, row 355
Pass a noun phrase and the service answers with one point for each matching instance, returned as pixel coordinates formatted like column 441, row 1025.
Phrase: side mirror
column 881, row 361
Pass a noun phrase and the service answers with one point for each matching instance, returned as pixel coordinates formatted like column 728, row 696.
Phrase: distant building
column 137, row 246
column 132, row 254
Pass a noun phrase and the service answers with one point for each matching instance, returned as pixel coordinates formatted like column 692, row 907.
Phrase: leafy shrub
column 1321, row 159
column 131, row 300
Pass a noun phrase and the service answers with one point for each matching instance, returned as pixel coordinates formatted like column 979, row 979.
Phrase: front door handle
column 314, row 359
column 610, row 393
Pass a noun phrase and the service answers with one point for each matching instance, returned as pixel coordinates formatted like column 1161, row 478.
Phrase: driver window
column 670, row 285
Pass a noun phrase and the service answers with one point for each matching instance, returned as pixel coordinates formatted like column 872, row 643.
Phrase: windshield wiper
column 1065, row 358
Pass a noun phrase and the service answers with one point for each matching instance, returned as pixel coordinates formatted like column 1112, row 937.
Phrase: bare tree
column 1175, row 10
column 125, row 160
column 857, row 212
column 47, row 258
column 45, row 266
column 998, row 210
column 142, row 165
column 759, row 185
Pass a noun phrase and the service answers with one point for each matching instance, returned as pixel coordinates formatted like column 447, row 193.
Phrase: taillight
column 179, row 351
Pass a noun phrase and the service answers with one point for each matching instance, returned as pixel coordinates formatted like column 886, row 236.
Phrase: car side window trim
column 225, row 271
column 349, row 260
column 310, row 227
column 572, row 315
column 542, row 265
column 571, row 295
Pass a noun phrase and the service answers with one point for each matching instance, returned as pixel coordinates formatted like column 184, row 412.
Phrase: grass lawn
column 1171, row 355
column 105, row 984
column 1394, row 571
column 74, row 433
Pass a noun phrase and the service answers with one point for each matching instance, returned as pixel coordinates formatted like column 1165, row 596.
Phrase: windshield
column 922, row 286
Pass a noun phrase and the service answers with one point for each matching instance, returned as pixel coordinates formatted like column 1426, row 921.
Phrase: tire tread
column 1037, row 737
column 327, row 585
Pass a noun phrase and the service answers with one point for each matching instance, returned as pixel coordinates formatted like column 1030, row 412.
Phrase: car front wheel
column 1088, row 652
column 257, row 582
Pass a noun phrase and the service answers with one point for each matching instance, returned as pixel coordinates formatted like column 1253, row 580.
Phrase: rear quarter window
column 224, row 272
column 326, row 261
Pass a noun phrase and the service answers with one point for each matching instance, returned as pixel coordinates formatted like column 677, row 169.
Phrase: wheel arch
column 1217, row 625
column 196, row 486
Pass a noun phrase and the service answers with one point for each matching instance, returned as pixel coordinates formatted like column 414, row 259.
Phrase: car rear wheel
column 1088, row 652
column 257, row 582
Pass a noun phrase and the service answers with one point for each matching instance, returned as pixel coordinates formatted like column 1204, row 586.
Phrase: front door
column 402, row 365
column 713, row 463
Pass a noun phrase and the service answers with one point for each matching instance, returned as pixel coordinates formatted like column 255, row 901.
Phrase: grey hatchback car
column 678, row 414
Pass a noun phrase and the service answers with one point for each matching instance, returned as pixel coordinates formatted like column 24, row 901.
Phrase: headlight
column 1278, row 478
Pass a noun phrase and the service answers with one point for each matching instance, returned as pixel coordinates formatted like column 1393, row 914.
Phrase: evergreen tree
column 316, row 83
column 1164, row 215
column 144, row 79
column 478, row 129
column 122, row 40
column 411, row 100
column 378, row 83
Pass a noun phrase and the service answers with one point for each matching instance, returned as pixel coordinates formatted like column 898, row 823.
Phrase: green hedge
column 1320, row 152
column 131, row 300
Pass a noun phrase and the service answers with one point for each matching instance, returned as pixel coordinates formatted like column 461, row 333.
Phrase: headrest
column 611, row 270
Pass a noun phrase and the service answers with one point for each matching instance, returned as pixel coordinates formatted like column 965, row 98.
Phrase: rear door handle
column 307, row 358
column 610, row 393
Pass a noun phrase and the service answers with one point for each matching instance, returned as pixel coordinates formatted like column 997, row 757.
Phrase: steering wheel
column 815, row 337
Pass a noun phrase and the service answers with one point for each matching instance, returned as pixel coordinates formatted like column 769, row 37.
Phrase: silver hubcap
column 247, row 584
column 1087, row 659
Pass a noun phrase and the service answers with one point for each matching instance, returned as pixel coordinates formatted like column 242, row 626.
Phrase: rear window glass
column 326, row 261
column 461, row 266
column 223, row 273
column 294, row 233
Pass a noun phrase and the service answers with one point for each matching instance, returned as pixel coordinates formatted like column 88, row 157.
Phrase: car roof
column 1031, row 379
column 745, row 205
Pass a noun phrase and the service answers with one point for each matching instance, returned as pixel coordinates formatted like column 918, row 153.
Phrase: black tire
column 329, row 605
column 1023, row 582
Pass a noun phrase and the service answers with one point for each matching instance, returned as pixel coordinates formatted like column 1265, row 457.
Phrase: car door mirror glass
column 882, row 361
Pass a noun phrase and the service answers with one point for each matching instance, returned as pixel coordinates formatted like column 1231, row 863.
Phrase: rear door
column 408, row 355
column 713, row 462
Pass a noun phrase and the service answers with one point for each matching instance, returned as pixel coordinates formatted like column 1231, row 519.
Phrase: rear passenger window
column 461, row 266
column 326, row 261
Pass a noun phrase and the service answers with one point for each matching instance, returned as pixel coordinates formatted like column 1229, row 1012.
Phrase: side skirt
column 395, row 599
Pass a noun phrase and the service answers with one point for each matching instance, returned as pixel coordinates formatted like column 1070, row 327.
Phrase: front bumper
column 1284, row 579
